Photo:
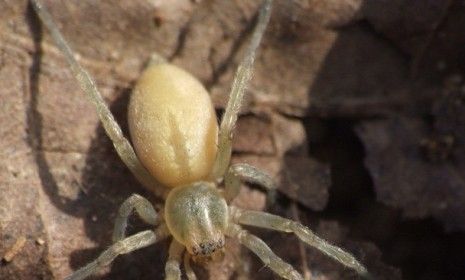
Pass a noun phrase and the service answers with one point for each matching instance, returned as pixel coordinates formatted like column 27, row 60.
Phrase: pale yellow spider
column 182, row 157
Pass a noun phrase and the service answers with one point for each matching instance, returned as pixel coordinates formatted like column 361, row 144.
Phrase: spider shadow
column 109, row 182
column 106, row 181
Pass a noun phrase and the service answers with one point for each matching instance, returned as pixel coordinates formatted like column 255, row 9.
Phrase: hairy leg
column 261, row 249
column 143, row 208
column 269, row 221
column 125, row 246
column 264, row 252
column 172, row 267
column 242, row 77
column 187, row 266
column 245, row 172
column 113, row 130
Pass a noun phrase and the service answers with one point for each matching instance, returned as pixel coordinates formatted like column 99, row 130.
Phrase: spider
column 183, row 156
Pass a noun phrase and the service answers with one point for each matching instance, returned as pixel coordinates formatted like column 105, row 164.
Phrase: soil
column 356, row 108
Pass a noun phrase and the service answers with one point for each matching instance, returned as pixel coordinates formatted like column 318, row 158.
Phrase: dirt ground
column 356, row 108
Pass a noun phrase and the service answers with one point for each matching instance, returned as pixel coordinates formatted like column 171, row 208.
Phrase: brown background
column 356, row 108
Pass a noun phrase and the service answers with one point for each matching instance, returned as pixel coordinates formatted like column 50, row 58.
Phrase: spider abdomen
column 173, row 125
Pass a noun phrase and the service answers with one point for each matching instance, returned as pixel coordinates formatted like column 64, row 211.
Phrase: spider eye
column 208, row 248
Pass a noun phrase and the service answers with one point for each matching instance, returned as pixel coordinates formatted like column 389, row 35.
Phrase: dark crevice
column 420, row 248
column 369, row 28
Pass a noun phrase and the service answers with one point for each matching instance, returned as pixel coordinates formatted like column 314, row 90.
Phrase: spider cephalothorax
column 182, row 156
column 197, row 216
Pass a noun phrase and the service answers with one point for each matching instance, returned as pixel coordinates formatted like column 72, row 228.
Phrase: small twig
column 15, row 249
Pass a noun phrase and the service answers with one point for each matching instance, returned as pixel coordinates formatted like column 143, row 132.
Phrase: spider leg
column 269, row 221
column 113, row 130
column 242, row 77
column 143, row 208
column 264, row 252
column 248, row 173
column 187, row 266
column 172, row 267
column 125, row 246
